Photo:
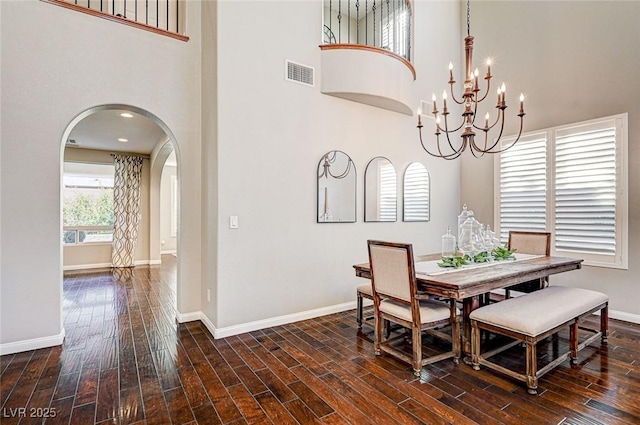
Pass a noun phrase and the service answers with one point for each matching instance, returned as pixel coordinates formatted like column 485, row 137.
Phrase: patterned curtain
column 126, row 208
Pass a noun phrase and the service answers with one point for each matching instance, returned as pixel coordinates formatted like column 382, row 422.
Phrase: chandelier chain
column 468, row 18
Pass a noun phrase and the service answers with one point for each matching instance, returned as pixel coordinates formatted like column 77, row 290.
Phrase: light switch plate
column 233, row 222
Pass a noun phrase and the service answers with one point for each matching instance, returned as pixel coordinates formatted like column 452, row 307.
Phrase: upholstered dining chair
column 529, row 243
column 396, row 299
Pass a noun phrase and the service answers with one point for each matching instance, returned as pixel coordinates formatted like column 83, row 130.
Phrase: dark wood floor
column 125, row 360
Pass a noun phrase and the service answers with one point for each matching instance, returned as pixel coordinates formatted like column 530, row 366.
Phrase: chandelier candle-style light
column 471, row 97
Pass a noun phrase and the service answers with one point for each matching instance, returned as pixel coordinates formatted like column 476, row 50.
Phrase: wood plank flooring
column 125, row 360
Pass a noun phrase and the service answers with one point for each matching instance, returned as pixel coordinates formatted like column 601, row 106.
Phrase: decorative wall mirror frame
column 380, row 191
column 336, row 188
column 416, row 193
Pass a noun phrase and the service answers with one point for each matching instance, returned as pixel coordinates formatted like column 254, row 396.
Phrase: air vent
column 72, row 142
column 426, row 108
column 299, row 73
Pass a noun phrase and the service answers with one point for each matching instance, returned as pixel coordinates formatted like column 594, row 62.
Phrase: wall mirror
column 380, row 190
column 416, row 193
column 336, row 188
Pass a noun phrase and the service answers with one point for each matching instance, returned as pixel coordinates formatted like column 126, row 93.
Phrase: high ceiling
column 102, row 130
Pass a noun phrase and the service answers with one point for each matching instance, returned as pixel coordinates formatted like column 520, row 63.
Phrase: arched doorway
column 88, row 141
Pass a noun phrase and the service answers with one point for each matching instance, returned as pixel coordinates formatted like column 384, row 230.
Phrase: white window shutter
column 585, row 189
column 523, row 179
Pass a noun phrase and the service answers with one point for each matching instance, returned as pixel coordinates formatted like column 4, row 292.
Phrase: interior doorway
column 90, row 141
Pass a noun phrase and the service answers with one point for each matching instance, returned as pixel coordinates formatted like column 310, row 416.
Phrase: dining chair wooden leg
column 417, row 350
column 378, row 335
column 359, row 310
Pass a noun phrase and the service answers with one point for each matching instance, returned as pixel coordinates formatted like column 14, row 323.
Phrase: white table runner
column 431, row 268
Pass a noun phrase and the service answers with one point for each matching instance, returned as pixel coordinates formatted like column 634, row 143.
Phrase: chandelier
column 471, row 97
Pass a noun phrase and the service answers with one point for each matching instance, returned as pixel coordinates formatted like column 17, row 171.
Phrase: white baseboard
column 624, row 316
column 168, row 252
column 87, row 266
column 189, row 317
column 108, row 265
column 280, row 320
column 32, row 344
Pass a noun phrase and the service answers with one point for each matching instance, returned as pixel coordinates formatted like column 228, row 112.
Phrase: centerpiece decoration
column 477, row 243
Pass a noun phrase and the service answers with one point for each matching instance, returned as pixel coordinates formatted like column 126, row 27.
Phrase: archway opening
column 88, row 143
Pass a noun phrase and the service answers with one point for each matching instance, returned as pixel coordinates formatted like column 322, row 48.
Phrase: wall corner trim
column 189, row 317
column 32, row 344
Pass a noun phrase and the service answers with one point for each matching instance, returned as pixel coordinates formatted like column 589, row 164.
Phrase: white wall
column 65, row 68
column 574, row 61
column 168, row 243
column 271, row 136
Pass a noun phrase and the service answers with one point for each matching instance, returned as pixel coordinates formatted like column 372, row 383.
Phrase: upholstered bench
column 533, row 317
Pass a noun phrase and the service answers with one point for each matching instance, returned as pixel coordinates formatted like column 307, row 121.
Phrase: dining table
column 468, row 284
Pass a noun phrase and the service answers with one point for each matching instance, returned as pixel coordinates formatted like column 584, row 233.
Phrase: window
column 87, row 211
column 395, row 31
column 570, row 180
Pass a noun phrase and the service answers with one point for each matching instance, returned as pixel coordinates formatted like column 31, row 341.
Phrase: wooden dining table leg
column 468, row 305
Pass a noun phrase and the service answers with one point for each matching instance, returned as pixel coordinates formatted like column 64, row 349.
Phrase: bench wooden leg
column 604, row 323
column 532, row 366
column 573, row 342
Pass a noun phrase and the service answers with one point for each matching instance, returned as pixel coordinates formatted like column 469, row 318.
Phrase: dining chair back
column 529, row 243
column 396, row 299
column 393, row 267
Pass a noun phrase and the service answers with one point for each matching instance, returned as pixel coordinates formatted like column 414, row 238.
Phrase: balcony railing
column 165, row 17
column 385, row 24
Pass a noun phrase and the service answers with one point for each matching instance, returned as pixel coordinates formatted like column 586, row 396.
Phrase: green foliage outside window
column 88, row 209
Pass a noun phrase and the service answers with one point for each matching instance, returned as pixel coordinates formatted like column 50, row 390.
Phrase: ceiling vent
column 299, row 73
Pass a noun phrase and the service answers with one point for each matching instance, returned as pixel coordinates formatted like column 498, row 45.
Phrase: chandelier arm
column 453, row 95
column 487, row 129
column 488, row 89
column 490, row 150
column 440, row 155
column 453, row 155
column 474, row 149
column 514, row 142
column 449, row 142
column 446, row 130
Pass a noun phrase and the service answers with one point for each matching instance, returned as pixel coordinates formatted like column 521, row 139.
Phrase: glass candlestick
column 448, row 244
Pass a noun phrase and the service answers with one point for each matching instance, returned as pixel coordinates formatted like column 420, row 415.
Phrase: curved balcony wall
column 367, row 51
column 367, row 75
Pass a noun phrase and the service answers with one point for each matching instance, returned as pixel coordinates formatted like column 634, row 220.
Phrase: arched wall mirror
column 380, row 191
column 416, row 193
column 336, row 188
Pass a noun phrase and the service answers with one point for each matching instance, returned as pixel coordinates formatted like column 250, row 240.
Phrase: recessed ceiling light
column 126, row 115
column 123, row 140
